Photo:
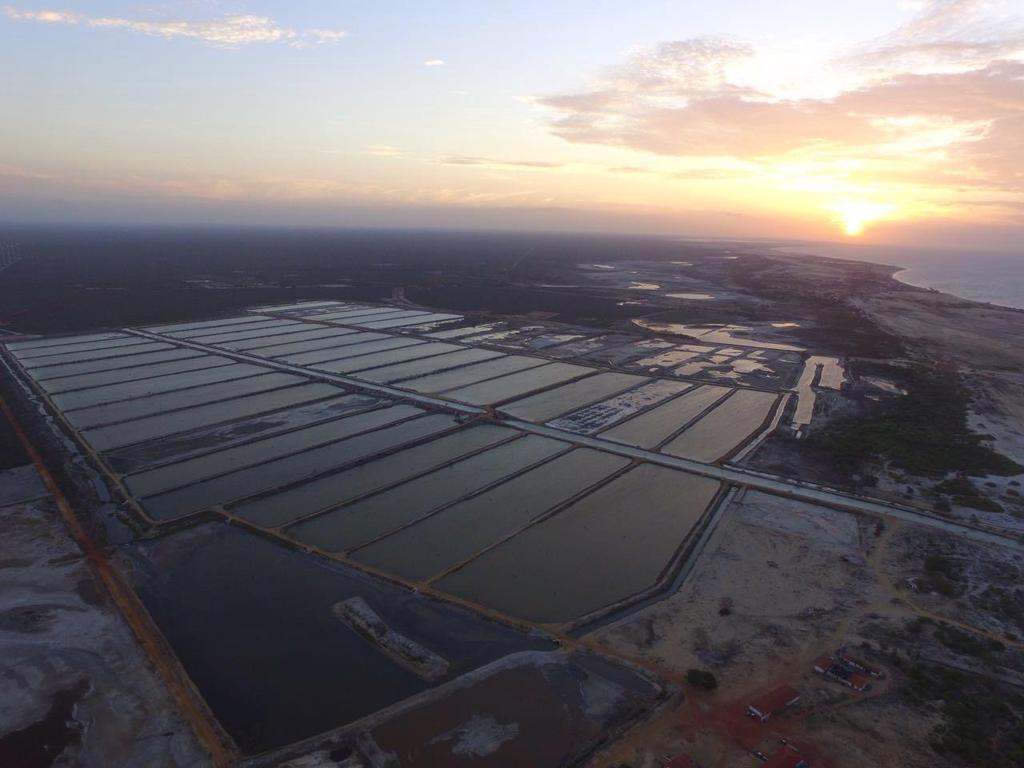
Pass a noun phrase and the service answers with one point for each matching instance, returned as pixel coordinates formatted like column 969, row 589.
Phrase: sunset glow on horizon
column 881, row 121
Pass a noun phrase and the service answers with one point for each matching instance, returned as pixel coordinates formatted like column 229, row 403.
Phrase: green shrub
column 924, row 432
column 700, row 678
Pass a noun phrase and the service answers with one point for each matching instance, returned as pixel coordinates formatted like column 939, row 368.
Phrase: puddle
column 542, row 709
column 714, row 334
column 40, row 744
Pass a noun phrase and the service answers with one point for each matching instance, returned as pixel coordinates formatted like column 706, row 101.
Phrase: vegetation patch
column 924, row 432
column 943, row 575
column 966, row 644
column 700, row 678
column 982, row 723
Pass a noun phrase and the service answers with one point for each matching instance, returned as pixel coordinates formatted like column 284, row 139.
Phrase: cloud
column 382, row 150
column 939, row 100
column 945, row 36
column 433, row 63
column 490, row 161
column 227, row 32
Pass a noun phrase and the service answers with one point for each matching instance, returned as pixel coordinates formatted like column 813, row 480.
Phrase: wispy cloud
column 226, row 32
column 433, row 63
column 493, row 162
column 939, row 101
column 382, row 150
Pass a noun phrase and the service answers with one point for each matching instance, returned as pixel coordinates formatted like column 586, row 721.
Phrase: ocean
column 997, row 278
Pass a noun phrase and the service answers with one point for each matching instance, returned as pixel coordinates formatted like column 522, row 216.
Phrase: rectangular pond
column 725, row 428
column 458, row 333
column 344, row 314
column 202, row 324
column 610, row 545
column 105, row 438
column 331, row 490
column 88, row 398
column 470, row 374
column 355, row 318
column 420, row 319
column 282, row 624
column 339, row 337
column 289, row 469
column 249, row 332
column 593, row 418
column 113, row 364
column 554, row 402
column 207, row 440
column 262, row 449
column 187, row 398
column 61, row 349
column 507, row 387
column 300, row 306
column 651, row 428
column 287, row 339
column 389, row 357
column 436, row 364
column 142, row 372
column 250, row 325
column 453, row 535
column 362, row 521
column 80, row 355
column 60, row 341
column 344, row 350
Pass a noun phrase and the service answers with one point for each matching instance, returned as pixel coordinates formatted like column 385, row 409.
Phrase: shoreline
column 900, row 274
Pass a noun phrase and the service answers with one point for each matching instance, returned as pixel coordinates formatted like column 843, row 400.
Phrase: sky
column 891, row 121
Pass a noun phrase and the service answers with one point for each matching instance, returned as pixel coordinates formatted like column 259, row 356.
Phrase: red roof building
column 822, row 664
column 857, row 663
column 773, row 702
column 858, row 682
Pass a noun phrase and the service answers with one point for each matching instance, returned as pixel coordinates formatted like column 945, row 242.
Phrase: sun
column 854, row 215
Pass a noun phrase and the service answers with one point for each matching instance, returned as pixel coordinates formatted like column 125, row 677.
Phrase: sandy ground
column 777, row 569
column 986, row 341
column 982, row 574
column 780, row 583
column 75, row 690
